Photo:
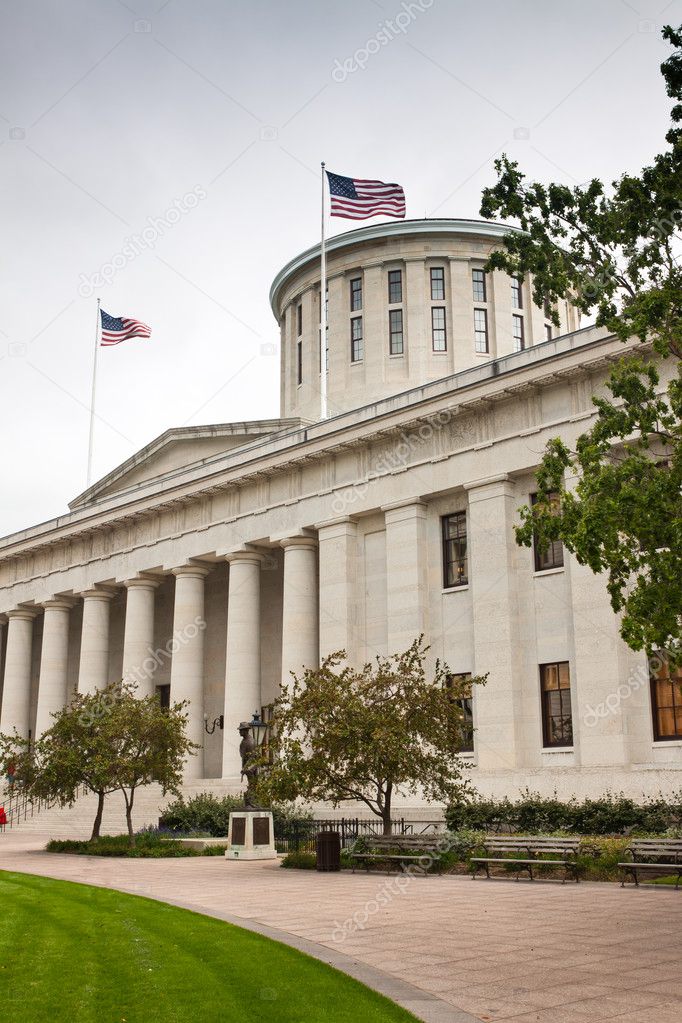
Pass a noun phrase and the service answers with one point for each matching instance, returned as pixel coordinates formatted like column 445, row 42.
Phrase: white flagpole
column 92, row 396
column 323, row 316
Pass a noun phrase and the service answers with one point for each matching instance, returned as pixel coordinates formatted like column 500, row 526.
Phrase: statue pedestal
column 250, row 836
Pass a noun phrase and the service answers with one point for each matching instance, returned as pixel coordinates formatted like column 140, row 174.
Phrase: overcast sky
column 113, row 114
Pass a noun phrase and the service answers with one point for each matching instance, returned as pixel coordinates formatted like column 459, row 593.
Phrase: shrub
column 148, row 845
column 210, row 815
column 612, row 814
column 300, row 860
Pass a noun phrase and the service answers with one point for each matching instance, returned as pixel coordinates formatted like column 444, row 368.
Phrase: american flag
column 119, row 328
column 357, row 199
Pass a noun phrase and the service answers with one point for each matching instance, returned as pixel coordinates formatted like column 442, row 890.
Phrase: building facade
column 218, row 559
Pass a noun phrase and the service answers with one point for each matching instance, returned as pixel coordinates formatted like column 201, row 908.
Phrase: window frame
column 675, row 682
column 545, row 710
column 354, row 293
column 398, row 314
column 538, row 556
column 516, row 293
column 443, row 328
column 447, row 562
column 468, row 729
column 519, row 340
column 299, row 319
column 299, row 361
column 484, row 332
column 357, row 342
column 479, row 283
column 437, row 280
column 392, row 274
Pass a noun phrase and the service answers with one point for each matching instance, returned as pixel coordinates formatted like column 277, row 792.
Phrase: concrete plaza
column 450, row 949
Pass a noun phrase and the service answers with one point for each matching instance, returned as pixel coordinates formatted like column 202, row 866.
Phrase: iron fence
column 301, row 835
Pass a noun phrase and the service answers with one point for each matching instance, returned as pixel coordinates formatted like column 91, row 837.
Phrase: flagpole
column 323, row 315
column 92, row 395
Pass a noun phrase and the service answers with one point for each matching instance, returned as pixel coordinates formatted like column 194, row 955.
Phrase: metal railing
column 19, row 806
column 301, row 835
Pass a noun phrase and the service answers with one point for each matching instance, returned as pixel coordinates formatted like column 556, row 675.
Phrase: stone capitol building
column 219, row 558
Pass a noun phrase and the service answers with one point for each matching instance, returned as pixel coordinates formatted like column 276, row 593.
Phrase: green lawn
column 70, row 952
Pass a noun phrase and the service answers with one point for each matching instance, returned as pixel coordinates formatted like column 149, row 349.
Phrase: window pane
column 555, row 695
column 517, row 294
column 356, row 342
column 478, row 283
column 666, row 701
column 548, row 332
column 553, row 556
column 455, row 559
column 481, row 330
column 517, row 333
column 438, row 284
column 396, row 332
column 438, row 329
column 395, row 286
column 356, row 294
column 299, row 320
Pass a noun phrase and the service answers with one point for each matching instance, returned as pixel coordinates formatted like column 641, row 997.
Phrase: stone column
column 16, row 692
column 242, row 673
column 497, row 641
column 187, row 665
column 406, row 573
column 138, row 636
column 338, row 559
column 300, row 638
column 54, row 661
column 93, row 671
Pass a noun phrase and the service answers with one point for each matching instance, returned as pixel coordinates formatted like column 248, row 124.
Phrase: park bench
column 658, row 856
column 518, row 853
column 400, row 851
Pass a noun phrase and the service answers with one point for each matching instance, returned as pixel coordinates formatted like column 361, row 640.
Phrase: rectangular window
column 481, row 330
column 478, row 282
column 455, row 560
column 356, row 294
column 299, row 320
column 299, row 361
column 548, row 332
column 438, row 338
column 553, row 557
column 395, row 340
column 666, row 701
column 466, row 705
column 395, row 286
column 163, row 695
column 557, row 722
column 518, row 334
column 357, row 347
column 516, row 293
column 437, row 284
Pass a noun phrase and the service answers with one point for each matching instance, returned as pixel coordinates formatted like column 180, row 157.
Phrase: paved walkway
column 499, row 950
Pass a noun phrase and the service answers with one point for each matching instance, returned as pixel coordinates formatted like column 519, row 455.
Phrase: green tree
column 104, row 742
column 344, row 734
column 615, row 253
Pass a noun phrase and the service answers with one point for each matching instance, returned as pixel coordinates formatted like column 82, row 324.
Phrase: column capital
column 142, row 582
column 397, row 510
column 299, row 543
column 502, row 480
column 340, row 520
column 245, row 555
column 99, row 593
column 25, row 614
column 195, row 571
column 58, row 603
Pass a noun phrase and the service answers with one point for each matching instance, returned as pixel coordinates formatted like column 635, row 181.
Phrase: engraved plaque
column 261, row 831
column 238, row 830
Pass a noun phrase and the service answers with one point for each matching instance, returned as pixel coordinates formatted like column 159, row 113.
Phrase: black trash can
column 328, row 848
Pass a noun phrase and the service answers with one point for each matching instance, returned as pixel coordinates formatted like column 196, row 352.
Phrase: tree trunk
column 386, row 812
column 98, row 817
column 129, row 815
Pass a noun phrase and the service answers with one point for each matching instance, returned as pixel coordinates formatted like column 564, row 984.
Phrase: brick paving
column 498, row 950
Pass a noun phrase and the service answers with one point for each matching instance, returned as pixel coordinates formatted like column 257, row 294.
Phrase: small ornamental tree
column 344, row 734
column 104, row 742
column 615, row 252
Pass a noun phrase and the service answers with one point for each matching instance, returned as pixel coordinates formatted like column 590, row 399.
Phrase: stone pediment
column 177, row 449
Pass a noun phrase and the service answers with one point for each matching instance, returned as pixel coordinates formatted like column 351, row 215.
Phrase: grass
column 148, row 845
column 71, row 953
